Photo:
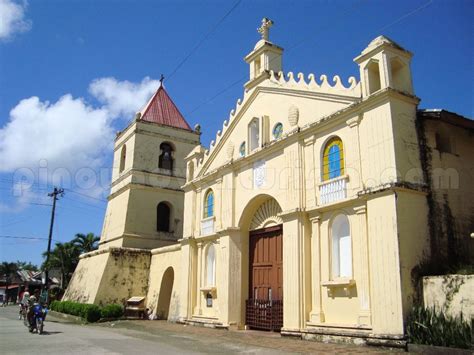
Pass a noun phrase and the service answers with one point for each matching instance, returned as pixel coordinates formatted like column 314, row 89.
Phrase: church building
column 310, row 213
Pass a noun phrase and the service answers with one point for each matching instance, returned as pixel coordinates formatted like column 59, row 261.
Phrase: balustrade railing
column 333, row 190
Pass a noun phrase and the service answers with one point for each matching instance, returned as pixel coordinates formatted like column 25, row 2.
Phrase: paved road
column 153, row 337
column 63, row 338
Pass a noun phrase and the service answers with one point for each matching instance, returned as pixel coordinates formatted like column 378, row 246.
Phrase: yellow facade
column 353, row 228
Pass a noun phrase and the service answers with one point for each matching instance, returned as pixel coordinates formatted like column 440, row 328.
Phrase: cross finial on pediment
column 265, row 28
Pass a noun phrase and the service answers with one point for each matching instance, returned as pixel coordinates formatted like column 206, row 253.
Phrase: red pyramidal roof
column 162, row 110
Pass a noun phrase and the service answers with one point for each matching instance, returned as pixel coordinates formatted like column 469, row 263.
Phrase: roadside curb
column 66, row 318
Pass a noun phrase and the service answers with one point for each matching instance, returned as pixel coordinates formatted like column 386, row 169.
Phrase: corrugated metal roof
column 162, row 110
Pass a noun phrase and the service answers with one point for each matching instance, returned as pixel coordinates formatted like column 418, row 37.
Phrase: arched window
column 341, row 247
column 163, row 215
column 123, row 155
column 254, row 134
column 211, row 266
column 209, row 204
column 166, row 156
column 333, row 159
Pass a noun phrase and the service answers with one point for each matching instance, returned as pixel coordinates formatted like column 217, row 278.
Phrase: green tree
column 86, row 242
column 24, row 265
column 8, row 269
column 65, row 257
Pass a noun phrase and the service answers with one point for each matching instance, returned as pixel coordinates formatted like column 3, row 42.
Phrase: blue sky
column 72, row 73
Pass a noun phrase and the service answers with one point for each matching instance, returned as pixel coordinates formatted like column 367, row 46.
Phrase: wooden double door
column 264, row 309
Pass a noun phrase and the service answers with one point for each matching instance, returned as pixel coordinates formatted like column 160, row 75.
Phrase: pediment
column 278, row 99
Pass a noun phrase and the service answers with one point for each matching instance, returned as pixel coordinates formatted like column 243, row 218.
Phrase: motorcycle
column 37, row 318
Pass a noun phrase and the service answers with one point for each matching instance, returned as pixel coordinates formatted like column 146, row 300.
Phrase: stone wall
column 110, row 275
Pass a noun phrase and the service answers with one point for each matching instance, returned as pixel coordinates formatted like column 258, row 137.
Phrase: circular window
column 242, row 149
column 277, row 130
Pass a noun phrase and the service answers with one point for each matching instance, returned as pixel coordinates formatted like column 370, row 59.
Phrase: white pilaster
column 364, row 317
column 317, row 314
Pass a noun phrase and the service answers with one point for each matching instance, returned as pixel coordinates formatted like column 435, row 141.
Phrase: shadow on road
column 51, row 333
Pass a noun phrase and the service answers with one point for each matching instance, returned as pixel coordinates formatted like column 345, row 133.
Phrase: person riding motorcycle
column 24, row 304
column 31, row 302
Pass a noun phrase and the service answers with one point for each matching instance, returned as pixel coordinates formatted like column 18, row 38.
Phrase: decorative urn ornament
column 293, row 115
column 230, row 150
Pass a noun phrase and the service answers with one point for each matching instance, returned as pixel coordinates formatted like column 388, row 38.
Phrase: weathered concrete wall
column 449, row 142
column 451, row 294
column 160, row 299
column 87, row 277
column 110, row 275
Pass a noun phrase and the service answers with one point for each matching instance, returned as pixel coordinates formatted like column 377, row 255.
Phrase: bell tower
column 385, row 64
column 146, row 203
column 264, row 57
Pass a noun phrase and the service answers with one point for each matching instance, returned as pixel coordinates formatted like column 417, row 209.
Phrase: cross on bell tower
column 265, row 56
column 264, row 29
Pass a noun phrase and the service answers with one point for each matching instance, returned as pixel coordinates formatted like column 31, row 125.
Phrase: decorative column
column 198, row 216
column 385, row 72
column 310, row 180
column 363, row 284
column 229, row 288
column 188, row 279
column 198, row 310
column 317, row 314
column 296, row 265
column 356, row 183
column 218, row 204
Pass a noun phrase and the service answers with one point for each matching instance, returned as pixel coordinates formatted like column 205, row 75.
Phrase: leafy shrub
column 426, row 326
column 90, row 312
column 112, row 311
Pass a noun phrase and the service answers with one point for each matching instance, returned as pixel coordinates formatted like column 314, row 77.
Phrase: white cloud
column 66, row 134
column 123, row 98
column 24, row 196
column 69, row 139
column 12, row 18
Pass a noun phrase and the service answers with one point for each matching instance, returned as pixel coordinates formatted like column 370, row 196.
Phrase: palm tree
column 65, row 257
column 7, row 268
column 86, row 243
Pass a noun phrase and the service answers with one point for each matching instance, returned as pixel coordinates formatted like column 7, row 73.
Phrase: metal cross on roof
column 265, row 28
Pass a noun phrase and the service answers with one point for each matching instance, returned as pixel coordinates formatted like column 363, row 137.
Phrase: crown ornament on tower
column 264, row 29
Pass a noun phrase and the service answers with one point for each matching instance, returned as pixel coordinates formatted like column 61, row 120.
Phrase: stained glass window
column 242, row 149
column 333, row 159
column 277, row 130
column 209, row 204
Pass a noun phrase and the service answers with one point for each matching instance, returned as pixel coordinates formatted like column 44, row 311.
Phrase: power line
column 196, row 47
column 17, row 237
column 85, row 195
column 84, row 203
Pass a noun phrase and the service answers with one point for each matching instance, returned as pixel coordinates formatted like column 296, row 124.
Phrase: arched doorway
column 166, row 289
column 264, row 305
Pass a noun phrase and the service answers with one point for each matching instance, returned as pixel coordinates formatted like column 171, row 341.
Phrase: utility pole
column 54, row 195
